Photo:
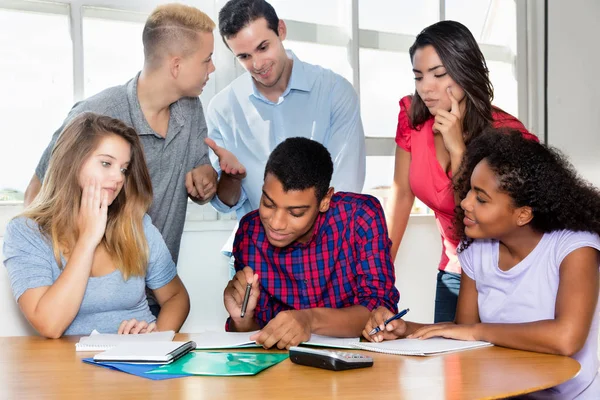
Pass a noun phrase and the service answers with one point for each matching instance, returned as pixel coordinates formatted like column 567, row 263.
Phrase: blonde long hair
column 56, row 207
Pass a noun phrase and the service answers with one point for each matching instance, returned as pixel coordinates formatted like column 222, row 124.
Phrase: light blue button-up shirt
column 317, row 104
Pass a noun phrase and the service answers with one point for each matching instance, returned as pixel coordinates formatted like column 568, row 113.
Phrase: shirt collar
column 299, row 79
column 176, row 120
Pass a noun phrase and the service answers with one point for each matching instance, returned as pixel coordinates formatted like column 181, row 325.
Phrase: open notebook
column 104, row 341
column 235, row 340
column 418, row 347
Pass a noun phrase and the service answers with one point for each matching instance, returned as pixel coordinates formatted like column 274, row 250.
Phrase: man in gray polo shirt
column 161, row 103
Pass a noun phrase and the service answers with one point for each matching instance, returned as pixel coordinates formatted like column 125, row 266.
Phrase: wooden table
column 36, row 368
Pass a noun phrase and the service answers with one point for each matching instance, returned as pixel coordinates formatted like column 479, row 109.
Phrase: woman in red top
column 451, row 105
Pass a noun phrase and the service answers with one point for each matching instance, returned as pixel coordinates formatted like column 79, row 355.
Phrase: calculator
column 329, row 359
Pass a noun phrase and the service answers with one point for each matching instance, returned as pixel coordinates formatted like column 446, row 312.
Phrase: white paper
column 228, row 340
column 418, row 347
column 328, row 341
column 104, row 341
column 222, row 340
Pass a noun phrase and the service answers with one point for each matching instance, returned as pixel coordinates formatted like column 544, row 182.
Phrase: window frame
column 528, row 64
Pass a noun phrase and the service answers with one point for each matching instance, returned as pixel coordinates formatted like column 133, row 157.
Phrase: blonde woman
column 81, row 255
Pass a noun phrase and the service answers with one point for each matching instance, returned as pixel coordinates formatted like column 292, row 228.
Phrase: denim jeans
column 446, row 296
column 155, row 309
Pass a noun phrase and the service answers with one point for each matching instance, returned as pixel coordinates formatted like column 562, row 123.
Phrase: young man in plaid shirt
column 317, row 261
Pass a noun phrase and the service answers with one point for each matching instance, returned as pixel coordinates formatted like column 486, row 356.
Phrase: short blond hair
column 172, row 29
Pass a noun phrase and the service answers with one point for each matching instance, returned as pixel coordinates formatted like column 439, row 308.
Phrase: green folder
column 221, row 364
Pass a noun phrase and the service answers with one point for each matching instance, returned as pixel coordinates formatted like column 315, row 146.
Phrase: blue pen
column 387, row 321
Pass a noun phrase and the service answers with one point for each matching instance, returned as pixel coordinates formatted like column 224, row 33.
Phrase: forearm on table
column 545, row 336
column 173, row 313
column 338, row 322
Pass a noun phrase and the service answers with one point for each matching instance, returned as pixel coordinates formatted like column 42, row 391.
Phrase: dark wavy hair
column 464, row 62
column 533, row 175
column 299, row 164
column 237, row 14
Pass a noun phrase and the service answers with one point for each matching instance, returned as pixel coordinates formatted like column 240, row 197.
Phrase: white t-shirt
column 527, row 292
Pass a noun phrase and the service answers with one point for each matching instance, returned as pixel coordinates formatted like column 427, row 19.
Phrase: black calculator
column 329, row 359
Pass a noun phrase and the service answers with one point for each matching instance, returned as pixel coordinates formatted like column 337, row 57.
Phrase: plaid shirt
column 346, row 262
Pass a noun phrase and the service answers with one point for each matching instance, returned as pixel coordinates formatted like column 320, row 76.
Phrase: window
column 37, row 89
column 494, row 25
column 407, row 17
column 84, row 50
column 386, row 72
column 112, row 51
column 330, row 12
column 333, row 57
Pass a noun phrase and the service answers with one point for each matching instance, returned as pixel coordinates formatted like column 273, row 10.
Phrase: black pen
column 246, row 298
column 390, row 319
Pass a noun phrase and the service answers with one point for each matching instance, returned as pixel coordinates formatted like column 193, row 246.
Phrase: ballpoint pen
column 246, row 298
column 387, row 321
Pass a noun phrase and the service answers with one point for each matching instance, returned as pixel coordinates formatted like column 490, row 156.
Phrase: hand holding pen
column 385, row 325
column 241, row 296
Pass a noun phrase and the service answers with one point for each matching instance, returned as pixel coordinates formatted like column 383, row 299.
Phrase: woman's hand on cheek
column 93, row 212
column 450, row 126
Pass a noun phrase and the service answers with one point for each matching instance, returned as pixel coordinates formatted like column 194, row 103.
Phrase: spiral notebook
column 418, row 347
column 105, row 341
column 145, row 352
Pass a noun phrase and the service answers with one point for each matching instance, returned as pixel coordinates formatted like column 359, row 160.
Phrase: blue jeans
column 446, row 296
column 154, row 309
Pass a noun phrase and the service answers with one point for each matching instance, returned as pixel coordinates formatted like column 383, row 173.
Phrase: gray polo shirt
column 169, row 159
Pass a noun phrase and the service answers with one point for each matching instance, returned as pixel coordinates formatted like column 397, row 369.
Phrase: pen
column 390, row 319
column 246, row 297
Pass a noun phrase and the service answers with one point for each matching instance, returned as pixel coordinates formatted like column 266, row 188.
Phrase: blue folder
column 200, row 363
column 134, row 369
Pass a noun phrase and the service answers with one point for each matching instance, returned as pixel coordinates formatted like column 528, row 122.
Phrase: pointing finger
column 455, row 109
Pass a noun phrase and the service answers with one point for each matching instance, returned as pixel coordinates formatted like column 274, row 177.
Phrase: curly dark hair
column 299, row 164
column 460, row 54
column 533, row 175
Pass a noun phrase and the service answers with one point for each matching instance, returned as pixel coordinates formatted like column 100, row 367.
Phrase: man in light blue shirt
column 279, row 97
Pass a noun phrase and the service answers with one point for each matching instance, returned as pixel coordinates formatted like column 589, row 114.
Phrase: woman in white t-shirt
column 530, row 253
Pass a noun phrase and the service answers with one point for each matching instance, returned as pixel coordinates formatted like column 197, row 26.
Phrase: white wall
column 574, row 83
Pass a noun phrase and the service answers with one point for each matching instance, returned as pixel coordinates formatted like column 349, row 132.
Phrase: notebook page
column 333, row 342
column 418, row 347
column 211, row 340
column 104, row 341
